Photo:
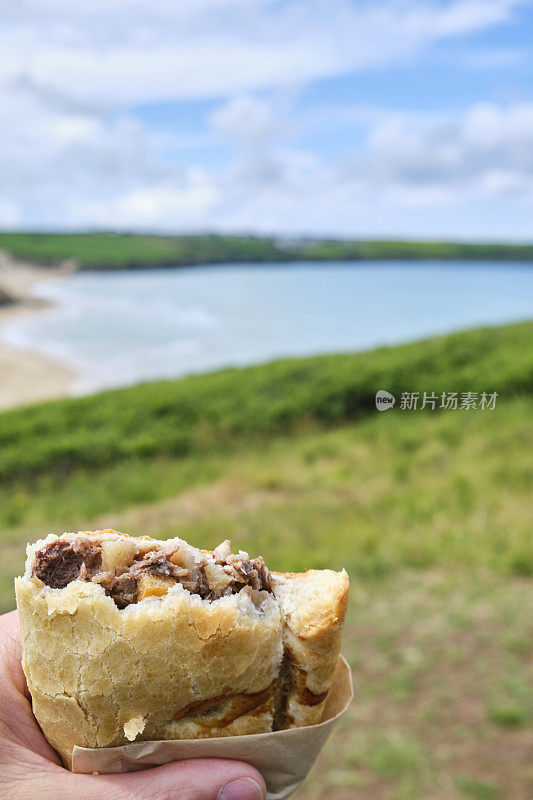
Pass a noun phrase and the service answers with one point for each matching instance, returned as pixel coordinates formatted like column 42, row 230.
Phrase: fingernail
column 241, row 789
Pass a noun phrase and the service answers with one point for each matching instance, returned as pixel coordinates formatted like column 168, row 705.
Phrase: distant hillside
column 132, row 251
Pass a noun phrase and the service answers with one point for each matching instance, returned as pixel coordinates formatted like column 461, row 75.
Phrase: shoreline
column 26, row 375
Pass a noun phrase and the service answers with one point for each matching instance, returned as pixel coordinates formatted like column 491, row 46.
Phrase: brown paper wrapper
column 284, row 758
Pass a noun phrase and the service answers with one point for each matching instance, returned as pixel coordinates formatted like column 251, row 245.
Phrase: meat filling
column 139, row 574
column 61, row 562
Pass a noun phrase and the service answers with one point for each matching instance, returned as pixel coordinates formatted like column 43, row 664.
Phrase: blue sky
column 402, row 118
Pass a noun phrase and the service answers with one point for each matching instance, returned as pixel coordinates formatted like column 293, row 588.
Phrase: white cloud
column 247, row 119
column 411, row 168
column 128, row 51
column 462, row 151
column 184, row 204
column 71, row 153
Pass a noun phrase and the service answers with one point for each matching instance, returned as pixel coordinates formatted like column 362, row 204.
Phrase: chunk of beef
column 253, row 573
column 64, row 561
column 57, row 565
column 158, row 563
column 202, row 584
column 122, row 588
column 263, row 573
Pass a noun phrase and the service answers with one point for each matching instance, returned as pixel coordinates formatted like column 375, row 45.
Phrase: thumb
column 197, row 779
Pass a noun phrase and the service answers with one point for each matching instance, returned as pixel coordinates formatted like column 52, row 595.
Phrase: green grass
column 388, row 491
column 205, row 414
column 509, row 716
column 435, row 741
column 116, row 251
column 132, row 251
column 395, row 756
column 476, row 789
column 430, row 512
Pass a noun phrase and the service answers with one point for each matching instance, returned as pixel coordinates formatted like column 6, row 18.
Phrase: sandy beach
column 25, row 376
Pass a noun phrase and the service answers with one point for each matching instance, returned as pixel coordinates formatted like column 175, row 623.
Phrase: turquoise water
column 123, row 327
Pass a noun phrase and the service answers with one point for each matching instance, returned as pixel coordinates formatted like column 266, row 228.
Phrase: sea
column 121, row 327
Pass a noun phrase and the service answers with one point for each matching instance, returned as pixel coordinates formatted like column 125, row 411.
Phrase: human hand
column 31, row 769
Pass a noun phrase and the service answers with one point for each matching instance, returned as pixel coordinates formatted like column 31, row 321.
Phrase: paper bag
column 284, row 758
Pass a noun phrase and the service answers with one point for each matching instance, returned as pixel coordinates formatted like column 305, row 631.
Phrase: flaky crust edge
column 313, row 607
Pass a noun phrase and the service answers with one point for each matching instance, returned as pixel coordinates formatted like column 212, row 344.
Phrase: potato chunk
column 117, row 553
column 216, row 577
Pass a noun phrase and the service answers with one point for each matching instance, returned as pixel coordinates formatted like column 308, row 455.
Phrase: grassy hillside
column 203, row 414
column 429, row 511
column 131, row 251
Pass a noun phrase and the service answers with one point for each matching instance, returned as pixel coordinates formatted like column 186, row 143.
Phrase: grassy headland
column 430, row 511
column 206, row 413
column 135, row 251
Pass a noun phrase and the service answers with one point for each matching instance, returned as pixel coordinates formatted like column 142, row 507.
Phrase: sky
column 349, row 118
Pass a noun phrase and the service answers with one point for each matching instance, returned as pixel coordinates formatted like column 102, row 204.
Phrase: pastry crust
column 313, row 607
column 176, row 666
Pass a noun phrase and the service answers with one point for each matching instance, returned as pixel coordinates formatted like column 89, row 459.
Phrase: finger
column 11, row 651
column 18, row 727
column 197, row 779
